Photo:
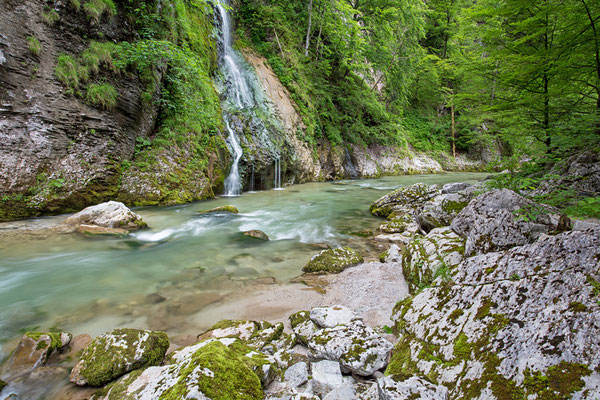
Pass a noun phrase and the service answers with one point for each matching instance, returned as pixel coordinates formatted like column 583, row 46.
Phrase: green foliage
column 101, row 54
column 50, row 16
column 586, row 207
column 102, row 95
column 70, row 72
column 76, row 4
column 34, row 45
column 95, row 9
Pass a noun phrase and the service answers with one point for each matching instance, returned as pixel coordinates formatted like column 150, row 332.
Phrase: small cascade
column 232, row 183
column 277, row 174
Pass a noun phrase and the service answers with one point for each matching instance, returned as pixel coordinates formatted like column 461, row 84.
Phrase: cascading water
column 232, row 183
column 278, row 174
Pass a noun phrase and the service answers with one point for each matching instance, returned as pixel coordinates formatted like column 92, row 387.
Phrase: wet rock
column 405, row 199
column 35, row 348
column 222, row 209
column 256, row 234
column 155, row 298
column 358, row 348
column 333, row 260
column 499, row 220
column 113, row 354
column 521, row 323
column 93, row 230
column 108, row 215
column 433, row 257
column 328, row 317
column 297, row 374
column 215, row 369
column 411, row 388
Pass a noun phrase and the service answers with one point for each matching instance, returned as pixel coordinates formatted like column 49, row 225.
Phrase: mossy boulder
column 111, row 214
column 113, row 354
column 35, row 348
column 406, row 199
column 222, row 369
column 227, row 328
column 333, row 260
column 397, row 224
column 221, row 210
column 256, row 234
column 442, row 209
column 303, row 326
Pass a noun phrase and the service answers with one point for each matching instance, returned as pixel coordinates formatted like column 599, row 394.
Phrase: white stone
column 328, row 317
column 326, row 376
column 297, row 374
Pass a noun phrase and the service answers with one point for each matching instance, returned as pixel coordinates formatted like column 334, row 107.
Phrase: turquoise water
column 157, row 277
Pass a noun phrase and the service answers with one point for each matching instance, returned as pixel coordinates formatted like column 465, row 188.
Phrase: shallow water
column 157, row 278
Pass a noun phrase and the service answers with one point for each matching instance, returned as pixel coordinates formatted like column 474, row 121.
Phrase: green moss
column 50, row 16
column 103, row 361
column 222, row 209
column 401, row 365
column 560, row 381
column 462, row 348
column 484, row 309
column 455, row 314
column 299, row 317
column 576, row 306
column 595, row 285
column 34, row 45
column 453, row 207
column 333, row 260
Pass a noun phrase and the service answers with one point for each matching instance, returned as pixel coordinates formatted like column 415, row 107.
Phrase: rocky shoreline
column 469, row 300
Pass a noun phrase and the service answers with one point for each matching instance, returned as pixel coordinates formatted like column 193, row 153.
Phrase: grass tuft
column 70, row 72
column 50, row 16
column 95, row 9
column 102, row 95
column 34, row 45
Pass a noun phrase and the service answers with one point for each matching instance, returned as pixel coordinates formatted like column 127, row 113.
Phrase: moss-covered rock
column 222, row 209
column 397, row 224
column 227, row 328
column 113, row 354
column 485, row 335
column 405, row 199
column 303, row 326
column 35, row 348
column 256, row 234
column 222, row 369
column 333, row 260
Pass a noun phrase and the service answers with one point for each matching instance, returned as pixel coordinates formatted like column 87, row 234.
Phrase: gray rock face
column 358, row 347
column 110, row 215
column 500, row 219
column 523, row 320
column 412, row 388
column 342, row 393
column 441, row 210
column 113, row 354
column 297, row 374
column 303, row 326
column 433, row 257
column 391, row 255
column 581, row 173
column 403, row 200
column 455, row 187
column 328, row 317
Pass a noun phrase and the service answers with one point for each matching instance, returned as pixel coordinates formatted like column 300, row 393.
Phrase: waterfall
column 232, row 183
column 277, row 174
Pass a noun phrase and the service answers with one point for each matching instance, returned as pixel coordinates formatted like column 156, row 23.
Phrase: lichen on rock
column 115, row 353
column 35, row 348
column 333, row 260
column 222, row 209
column 405, row 199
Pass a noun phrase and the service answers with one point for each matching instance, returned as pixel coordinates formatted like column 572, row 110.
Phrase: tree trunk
column 310, row 3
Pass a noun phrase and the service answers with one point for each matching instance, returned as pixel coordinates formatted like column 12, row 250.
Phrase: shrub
column 102, row 95
column 34, row 45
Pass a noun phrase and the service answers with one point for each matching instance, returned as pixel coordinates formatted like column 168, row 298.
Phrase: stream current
column 170, row 276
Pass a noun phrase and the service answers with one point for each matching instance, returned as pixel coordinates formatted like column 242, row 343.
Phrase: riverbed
column 177, row 275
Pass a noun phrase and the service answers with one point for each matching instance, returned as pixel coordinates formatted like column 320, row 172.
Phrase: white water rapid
column 232, row 183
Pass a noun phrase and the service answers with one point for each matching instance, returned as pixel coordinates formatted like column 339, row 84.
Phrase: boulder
column 328, row 317
column 411, row 388
column 358, row 348
column 213, row 369
column 241, row 329
column 455, row 187
column 333, row 260
column 113, row 354
column 265, row 336
column 580, row 173
column 297, row 374
column 108, row 215
column 427, row 258
column 221, row 210
column 405, row 199
column 256, row 234
column 521, row 323
column 391, row 255
column 397, row 224
column 344, row 392
column 35, row 348
column 326, row 376
column 501, row 219
column 441, row 210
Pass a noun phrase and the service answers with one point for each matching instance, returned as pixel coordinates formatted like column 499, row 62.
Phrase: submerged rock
column 499, row 220
column 113, row 354
column 108, row 215
column 214, row 369
column 256, row 234
column 427, row 258
column 333, row 260
column 405, row 199
column 221, row 209
column 516, row 324
column 35, row 348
